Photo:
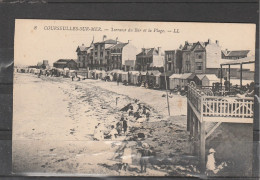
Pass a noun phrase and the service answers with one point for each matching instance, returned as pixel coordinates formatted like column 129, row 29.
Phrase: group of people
column 119, row 129
column 138, row 111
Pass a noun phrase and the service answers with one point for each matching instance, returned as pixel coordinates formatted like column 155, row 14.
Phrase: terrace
column 207, row 109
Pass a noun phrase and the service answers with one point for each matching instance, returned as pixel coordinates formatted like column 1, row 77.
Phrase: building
column 225, row 54
column 65, row 63
column 105, row 55
column 99, row 54
column 43, row 65
column 173, row 60
column 122, row 56
column 129, row 65
column 82, row 56
column 201, row 57
column 150, row 59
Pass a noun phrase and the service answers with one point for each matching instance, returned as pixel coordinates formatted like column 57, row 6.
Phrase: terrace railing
column 220, row 106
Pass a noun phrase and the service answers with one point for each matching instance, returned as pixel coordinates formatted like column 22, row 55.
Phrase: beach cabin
column 124, row 76
column 209, row 79
column 134, row 77
column 143, row 76
column 163, row 76
column 185, row 79
column 155, row 77
column 174, row 81
column 198, row 79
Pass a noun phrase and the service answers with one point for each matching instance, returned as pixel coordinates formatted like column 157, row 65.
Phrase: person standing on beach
column 117, row 82
column 125, row 125
column 126, row 157
column 113, row 133
column 145, row 154
column 119, row 127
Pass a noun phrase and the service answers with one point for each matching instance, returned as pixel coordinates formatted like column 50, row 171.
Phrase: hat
column 211, row 150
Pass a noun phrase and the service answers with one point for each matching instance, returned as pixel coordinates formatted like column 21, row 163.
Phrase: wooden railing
column 220, row 106
column 228, row 106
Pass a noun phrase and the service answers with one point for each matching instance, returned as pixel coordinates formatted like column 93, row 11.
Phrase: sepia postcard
column 132, row 98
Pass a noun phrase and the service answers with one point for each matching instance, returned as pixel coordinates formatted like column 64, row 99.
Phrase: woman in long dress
column 126, row 157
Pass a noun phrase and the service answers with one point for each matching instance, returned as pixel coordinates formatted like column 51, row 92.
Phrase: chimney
column 104, row 37
column 180, row 47
column 159, row 50
column 209, row 41
column 143, row 50
column 186, row 42
column 217, row 42
column 116, row 40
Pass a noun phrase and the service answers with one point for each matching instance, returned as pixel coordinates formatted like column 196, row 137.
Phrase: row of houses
column 197, row 57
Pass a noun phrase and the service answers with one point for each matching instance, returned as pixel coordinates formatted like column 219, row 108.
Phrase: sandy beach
column 55, row 120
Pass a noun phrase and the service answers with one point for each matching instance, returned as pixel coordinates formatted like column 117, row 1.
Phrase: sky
column 35, row 41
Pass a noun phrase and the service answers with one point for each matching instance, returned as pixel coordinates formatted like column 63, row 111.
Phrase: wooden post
column 241, row 67
column 166, row 87
column 188, row 117
column 191, row 124
column 221, row 76
column 202, row 148
column 229, row 77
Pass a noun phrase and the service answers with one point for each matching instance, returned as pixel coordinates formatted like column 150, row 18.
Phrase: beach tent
column 116, row 74
column 97, row 74
column 174, row 81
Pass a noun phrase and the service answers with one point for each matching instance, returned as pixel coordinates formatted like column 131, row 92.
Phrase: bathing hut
column 174, row 81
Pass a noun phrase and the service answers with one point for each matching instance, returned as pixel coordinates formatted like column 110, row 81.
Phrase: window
column 187, row 66
column 170, row 66
column 95, row 53
column 199, row 56
column 199, row 66
column 101, row 54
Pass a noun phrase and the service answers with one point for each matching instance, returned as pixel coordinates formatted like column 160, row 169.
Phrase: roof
column 175, row 76
column 143, row 73
column 39, row 63
column 109, row 41
column 116, row 71
column 246, row 60
column 134, row 72
column 167, row 74
column 153, row 72
column 236, row 53
column 63, row 61
column 119, row 46
column 211, row 77
column 191, row 46
column 82, row 48
column 200, row 76
column 108, row 46
column 185, row 75
column 148, row 52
